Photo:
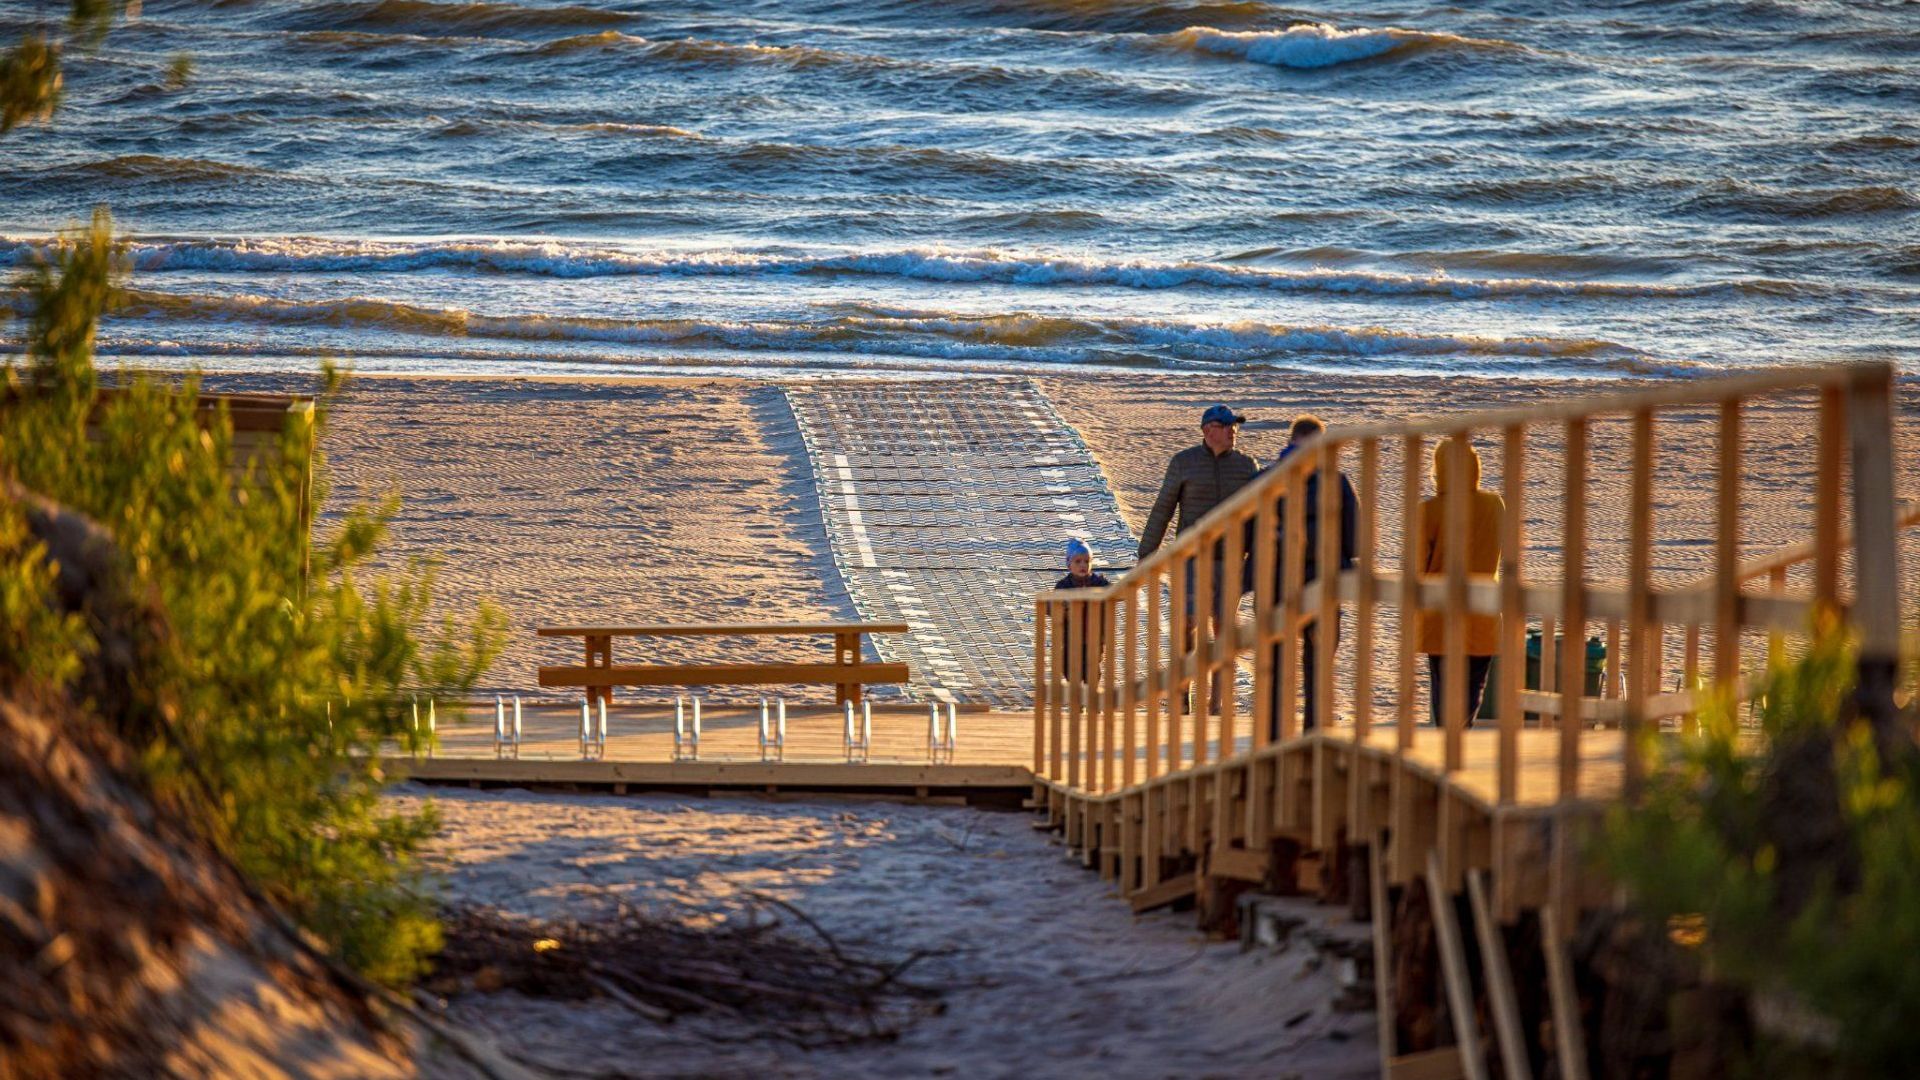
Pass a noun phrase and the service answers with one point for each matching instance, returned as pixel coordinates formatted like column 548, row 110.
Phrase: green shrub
column 283, row 680
column 1790, row 857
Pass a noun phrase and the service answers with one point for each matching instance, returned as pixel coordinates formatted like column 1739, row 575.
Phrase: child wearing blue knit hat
column 1080, row 573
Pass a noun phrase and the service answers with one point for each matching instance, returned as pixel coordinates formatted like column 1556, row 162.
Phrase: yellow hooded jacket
column 1485, row 513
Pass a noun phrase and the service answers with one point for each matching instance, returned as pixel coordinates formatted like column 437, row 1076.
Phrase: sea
column 1516, row 189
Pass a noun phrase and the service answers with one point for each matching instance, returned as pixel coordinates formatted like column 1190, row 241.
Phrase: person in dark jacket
column 1198, row 479
column 1307, row 427
column 1080, row 575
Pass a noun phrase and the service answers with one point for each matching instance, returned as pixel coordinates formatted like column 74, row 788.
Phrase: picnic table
column 848, row 674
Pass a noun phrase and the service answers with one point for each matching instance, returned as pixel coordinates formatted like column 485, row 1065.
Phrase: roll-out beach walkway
column 1176, row 798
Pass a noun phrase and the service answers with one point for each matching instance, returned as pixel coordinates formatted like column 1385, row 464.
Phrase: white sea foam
column 1016, row 336
column 571, row 260
column 1318, row 45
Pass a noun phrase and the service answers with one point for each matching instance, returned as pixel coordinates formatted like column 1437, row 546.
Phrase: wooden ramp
column 947, row 504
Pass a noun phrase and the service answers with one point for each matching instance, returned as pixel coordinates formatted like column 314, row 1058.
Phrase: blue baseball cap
column 1077, row 547
column 1220, row 414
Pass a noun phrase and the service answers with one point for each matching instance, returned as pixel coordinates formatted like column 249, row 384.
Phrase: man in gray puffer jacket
column 1198, row 479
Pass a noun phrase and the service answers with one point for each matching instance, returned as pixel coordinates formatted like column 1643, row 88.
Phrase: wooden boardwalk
column 1177, row 801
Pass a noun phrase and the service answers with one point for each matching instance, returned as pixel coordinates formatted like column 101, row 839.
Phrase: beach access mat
column 948, row 504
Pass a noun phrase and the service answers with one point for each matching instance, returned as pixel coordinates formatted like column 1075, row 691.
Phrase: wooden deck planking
column 643, row 732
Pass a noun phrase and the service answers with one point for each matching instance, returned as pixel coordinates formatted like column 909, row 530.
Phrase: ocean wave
column 157, row 167
column 1752, row 202
column 478, row 16
column 1016, row 336
column 1318, row 45
column 565, row 260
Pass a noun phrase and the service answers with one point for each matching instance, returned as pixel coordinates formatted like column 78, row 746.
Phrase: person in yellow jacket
column 1486, row 512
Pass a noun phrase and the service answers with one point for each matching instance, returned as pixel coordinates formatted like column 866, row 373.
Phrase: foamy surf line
column 1014, row 337
column 567, row 260
column 1307, row 46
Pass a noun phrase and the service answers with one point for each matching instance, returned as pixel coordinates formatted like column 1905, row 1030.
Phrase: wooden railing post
column 1076, row 687
column 1827, row 509
column 1266, row 699
column 1411, row 446
column 1876, row 557
column 1726, row 552
column 1129, row 688
column 1513, row 620
column 1326, row 631
column 1057, row 646
column 1643, row 659
column 1156, row 679
column 1293, row 574
column 1178, row 642
column 1364, row 533
column 1109, row 677
column 1451, row 707
column 1573, row 609
column 1039, row 686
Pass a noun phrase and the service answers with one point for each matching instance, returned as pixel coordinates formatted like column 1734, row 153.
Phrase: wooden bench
column 846, row 674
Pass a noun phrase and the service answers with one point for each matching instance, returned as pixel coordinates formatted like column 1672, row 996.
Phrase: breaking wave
column 1017, row 336
column 571, row 260
column 1317, row 45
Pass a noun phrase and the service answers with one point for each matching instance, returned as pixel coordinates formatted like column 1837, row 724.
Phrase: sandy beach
column 1045, row 972
column 581, row 500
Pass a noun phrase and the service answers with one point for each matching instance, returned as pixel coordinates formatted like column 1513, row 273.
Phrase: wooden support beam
column 1441, row 1064
column 1166, row 892
column 1570, row 1040
column 1503, row 1004
column 1453, row 969
column 1382, row 946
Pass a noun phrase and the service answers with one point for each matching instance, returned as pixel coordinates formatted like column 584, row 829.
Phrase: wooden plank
column 1266, row 552
column 723, row 630
column 721, row 674
column 1237, row 864
column 1368, row 595
column 1129, row 692
column 1156, row 674
column 1504, row 1005
column 1454, row 526
column 1327, row 570
column 1453, row 970
column 1570, row 1041
column 1109, row 611
column 1513, row 620
column 1293, row 572
column 1440, row 1064
column 1163, row 893
column 1409, row 582
column 741, row 774
column 1057, row 695
column 1573, row 617
column 1180, row 627
column 1726, row 549
column 1202, row 675
column 1153, row 814
column 1226, row 652
column 1876, row 544
column 1040, row 685
column 1381, row 920
column 1643, row 653
column 1076, row 609
column 1827, row 510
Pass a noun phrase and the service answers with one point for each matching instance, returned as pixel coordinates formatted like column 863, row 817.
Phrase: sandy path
column 1037, row 940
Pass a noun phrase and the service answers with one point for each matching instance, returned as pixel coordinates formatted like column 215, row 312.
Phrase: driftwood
column 806, row 990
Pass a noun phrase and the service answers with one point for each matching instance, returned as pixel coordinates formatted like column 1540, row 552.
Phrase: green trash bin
column 1596, row 672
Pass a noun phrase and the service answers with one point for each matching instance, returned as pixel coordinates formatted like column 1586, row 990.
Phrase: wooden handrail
column 1147, row 659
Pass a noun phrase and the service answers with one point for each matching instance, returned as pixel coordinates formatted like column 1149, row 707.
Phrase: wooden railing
column 1134, row 683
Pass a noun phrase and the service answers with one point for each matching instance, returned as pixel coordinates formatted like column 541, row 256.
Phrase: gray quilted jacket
column 1197, row 481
